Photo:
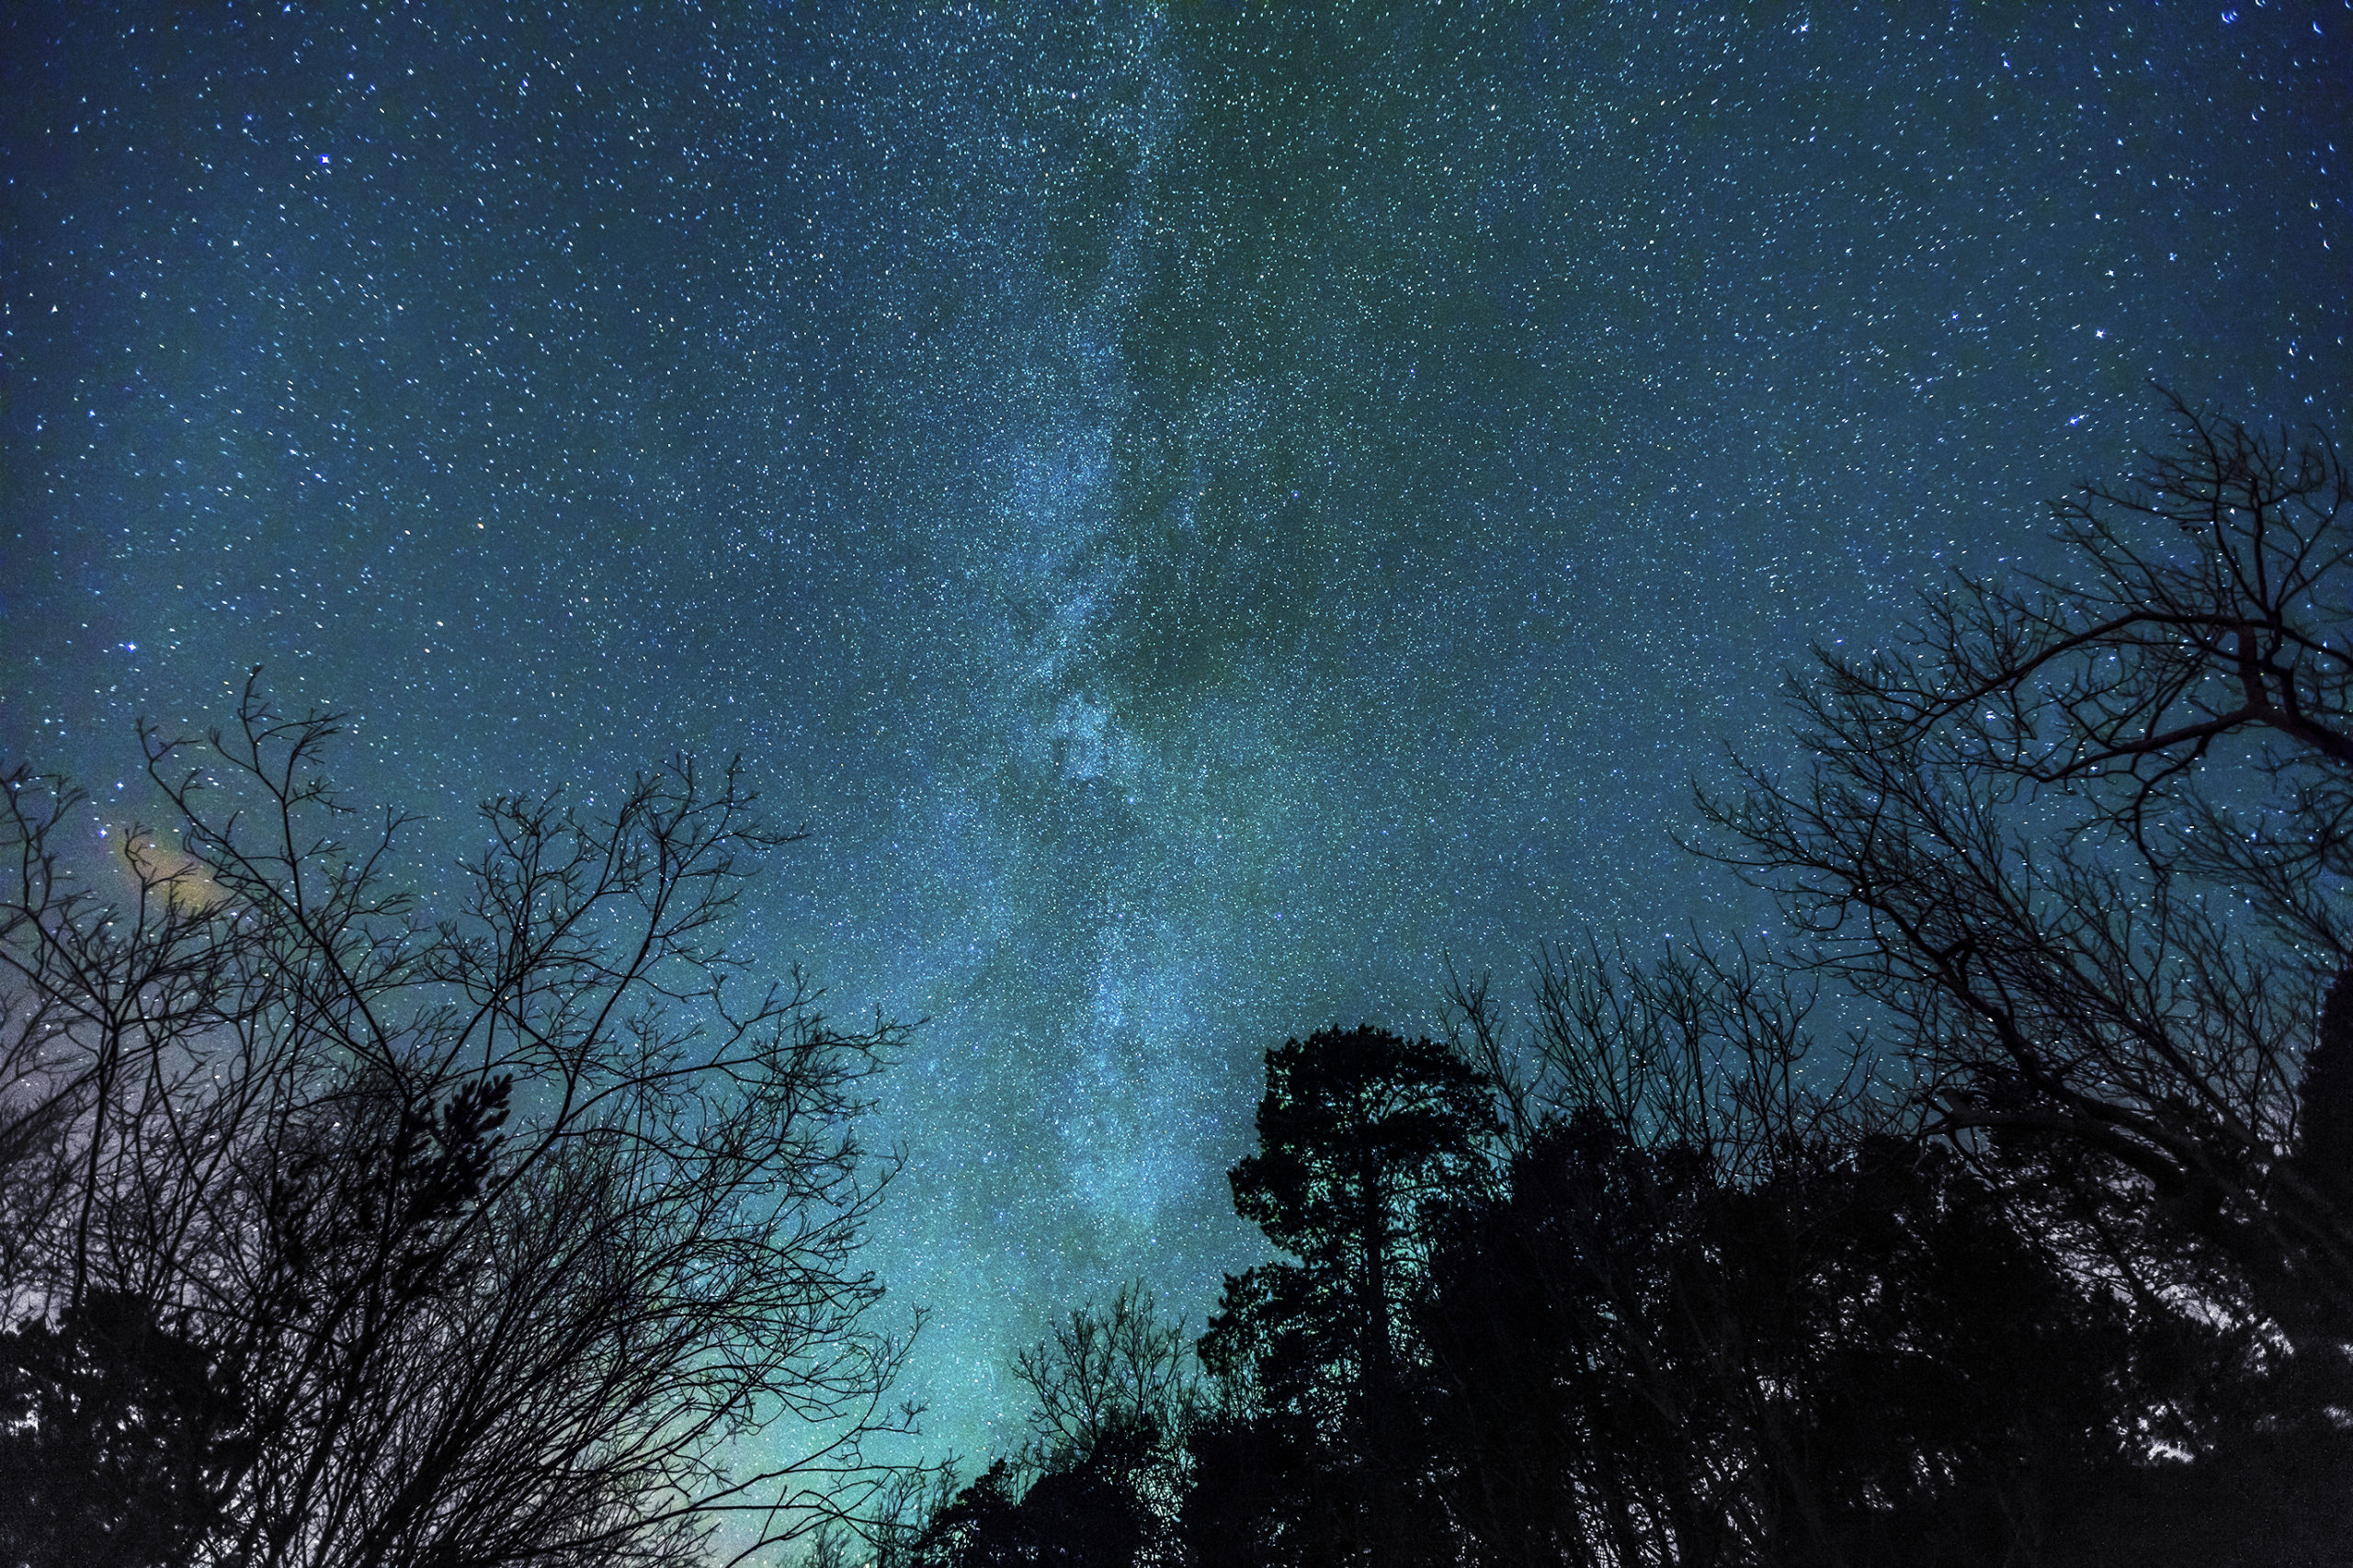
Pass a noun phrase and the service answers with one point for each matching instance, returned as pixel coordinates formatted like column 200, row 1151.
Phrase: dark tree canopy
column 120, row 1435
column 1362, row 1135
column 2047, row 1261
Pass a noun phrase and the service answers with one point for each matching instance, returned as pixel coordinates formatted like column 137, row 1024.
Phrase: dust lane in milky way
column 1204, row 511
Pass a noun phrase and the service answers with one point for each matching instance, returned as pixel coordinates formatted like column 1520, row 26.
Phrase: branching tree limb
column 501, row 1229
column 2036, row 832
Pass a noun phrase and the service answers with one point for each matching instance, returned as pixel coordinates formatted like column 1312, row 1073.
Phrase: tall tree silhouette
column 1361, row 1135
column 1364, row 1138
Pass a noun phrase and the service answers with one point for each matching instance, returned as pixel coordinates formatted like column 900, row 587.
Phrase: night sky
column 1203, row 511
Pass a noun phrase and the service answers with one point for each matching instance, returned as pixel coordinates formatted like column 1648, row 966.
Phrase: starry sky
column 1204, row 511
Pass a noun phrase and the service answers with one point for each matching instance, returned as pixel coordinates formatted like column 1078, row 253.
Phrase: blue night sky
column 1203, row 511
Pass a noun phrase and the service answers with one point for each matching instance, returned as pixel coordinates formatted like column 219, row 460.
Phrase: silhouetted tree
column 2054, row 1265
column 1363, row 1138
column 2087, row 834
column 1263, row 1494
column 1120, row 1368
column 1362, row 1135
column 1083, row 1510
column 1637, row 1426
column 2324, row 1102
column 1715, row 1316
column 1116, row 1390
column 479, row 1238
column 2083, row 837
column 117, row 1436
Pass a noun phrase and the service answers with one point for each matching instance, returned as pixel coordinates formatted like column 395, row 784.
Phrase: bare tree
column 2085, row 835
column 1107, row 1369
column 1711, row 1050
column 505, row 1226
column 1663, row 1118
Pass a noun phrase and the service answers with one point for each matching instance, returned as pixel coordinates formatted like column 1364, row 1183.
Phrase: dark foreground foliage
column 331, row 1233
column 2052, row 1263
column 335, row 1231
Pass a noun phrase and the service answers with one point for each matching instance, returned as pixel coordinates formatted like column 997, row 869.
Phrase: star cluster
column 1205, row 512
